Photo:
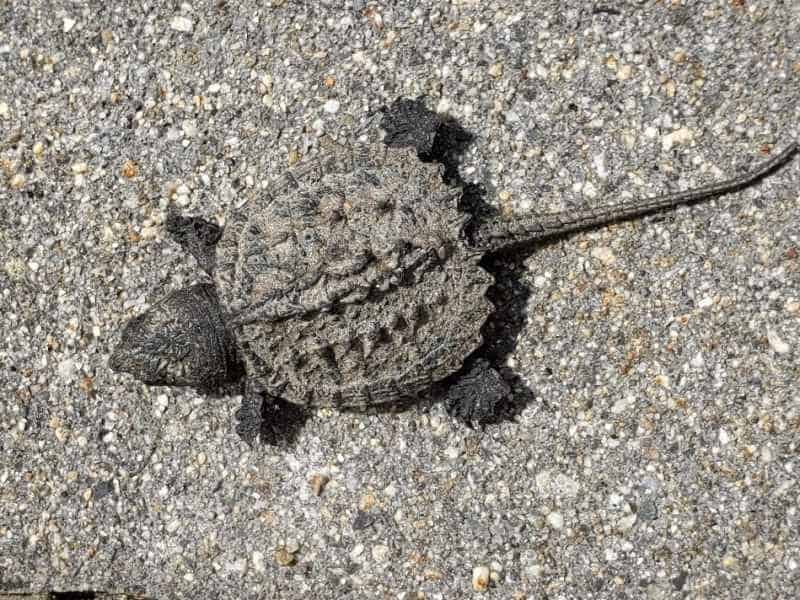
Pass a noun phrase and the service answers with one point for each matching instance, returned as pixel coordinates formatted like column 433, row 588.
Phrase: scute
column 349, row 284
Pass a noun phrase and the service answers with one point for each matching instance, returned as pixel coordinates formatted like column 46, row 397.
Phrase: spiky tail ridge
column 497, row 233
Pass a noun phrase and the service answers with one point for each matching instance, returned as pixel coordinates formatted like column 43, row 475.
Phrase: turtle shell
column 349, row 284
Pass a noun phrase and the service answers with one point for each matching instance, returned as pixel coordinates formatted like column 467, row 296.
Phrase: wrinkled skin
column 181, row 341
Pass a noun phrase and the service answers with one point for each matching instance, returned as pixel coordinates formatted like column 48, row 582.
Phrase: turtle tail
column 496, row 233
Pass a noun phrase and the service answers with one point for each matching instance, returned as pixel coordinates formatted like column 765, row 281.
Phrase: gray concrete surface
column 658, row 458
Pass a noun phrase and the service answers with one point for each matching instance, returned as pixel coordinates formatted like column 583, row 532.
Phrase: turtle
column 356, row 280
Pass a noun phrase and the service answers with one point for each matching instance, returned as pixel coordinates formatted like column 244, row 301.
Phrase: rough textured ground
column 658, row 455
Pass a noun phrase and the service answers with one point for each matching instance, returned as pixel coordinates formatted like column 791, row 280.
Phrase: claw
column 478, row 396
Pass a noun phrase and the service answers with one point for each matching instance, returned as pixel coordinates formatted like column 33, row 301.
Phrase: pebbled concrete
column 658, row 456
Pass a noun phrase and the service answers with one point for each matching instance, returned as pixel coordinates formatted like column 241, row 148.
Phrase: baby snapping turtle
column 355, row 281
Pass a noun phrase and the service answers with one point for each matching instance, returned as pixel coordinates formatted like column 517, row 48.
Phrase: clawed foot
column 410, row 123
column 249, row 419
column 197, row 236
column 270, row 420
column 478, row 396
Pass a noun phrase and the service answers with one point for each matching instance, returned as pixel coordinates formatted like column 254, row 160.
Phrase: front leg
column 409, row 123
column 196, row 236
column 268, row 418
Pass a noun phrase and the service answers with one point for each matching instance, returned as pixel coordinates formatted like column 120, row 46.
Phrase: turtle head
column 181, row 340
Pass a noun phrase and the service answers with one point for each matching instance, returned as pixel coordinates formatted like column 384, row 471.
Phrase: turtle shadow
column 509, row 294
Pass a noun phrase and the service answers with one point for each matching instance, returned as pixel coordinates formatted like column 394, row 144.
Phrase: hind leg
column 478, row 395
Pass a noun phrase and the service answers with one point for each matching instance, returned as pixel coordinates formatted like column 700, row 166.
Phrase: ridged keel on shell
column 389, row 346
column 349, row 284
